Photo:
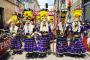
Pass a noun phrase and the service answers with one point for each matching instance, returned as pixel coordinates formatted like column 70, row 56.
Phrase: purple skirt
column 77, row 47
column 30, row 44
column 16, row 43
column 61, row 46
column 43, row 44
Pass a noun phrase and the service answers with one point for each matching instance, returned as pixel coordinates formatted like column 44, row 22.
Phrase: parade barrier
column 5, row 45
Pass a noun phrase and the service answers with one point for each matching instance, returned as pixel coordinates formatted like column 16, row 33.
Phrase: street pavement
column 49, row 57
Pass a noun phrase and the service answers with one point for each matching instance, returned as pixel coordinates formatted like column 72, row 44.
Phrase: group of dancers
column 70, row 39
column 35, row 39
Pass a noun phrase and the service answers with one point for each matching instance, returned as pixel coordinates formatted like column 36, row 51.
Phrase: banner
column 5, row 45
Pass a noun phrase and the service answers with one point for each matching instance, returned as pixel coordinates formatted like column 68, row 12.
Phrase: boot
column 29, row 55
column 35, row 54
column 42, row 55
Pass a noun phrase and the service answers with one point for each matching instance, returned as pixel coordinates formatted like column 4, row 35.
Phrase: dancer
column 29, row 40
column 77, row 47
column 61, row 45
column 44, row 38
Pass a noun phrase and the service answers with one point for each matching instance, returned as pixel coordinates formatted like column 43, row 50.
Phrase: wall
column 87, row 12
column 9, row 9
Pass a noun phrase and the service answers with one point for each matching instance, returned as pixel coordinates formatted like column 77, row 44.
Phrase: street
column 49, row 57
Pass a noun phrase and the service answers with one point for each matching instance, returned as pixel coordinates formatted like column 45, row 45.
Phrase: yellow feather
column 77, row 13
column 28, row 14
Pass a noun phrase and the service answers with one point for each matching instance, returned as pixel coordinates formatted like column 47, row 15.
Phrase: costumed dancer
column 29, row 40
column 15, row 43
column 29, row 43
column 51, row 35
column 37, row 36
column 61, row 45
column 68, row 32
column 43, row 42
column 77, row 47
column 51, row 27
column 50, row 32
column 69, row 35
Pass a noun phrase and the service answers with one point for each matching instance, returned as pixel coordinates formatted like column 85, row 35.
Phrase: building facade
column 32, row 4
column 86, row 10
column 7, row 8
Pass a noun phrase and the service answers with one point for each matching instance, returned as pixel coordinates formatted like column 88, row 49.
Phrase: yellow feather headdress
column 51, row 19
column 77, row 13
column 13, row 19
column 28, row 14
column 43, row 14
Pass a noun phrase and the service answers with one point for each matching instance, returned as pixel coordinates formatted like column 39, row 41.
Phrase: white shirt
column 15, row 29
column 76, row 29
column 28, row 29
column 51, row 26
column 42, row 28
column 60, row 26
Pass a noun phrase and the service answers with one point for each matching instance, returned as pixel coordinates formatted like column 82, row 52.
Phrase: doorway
column 1, row 17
